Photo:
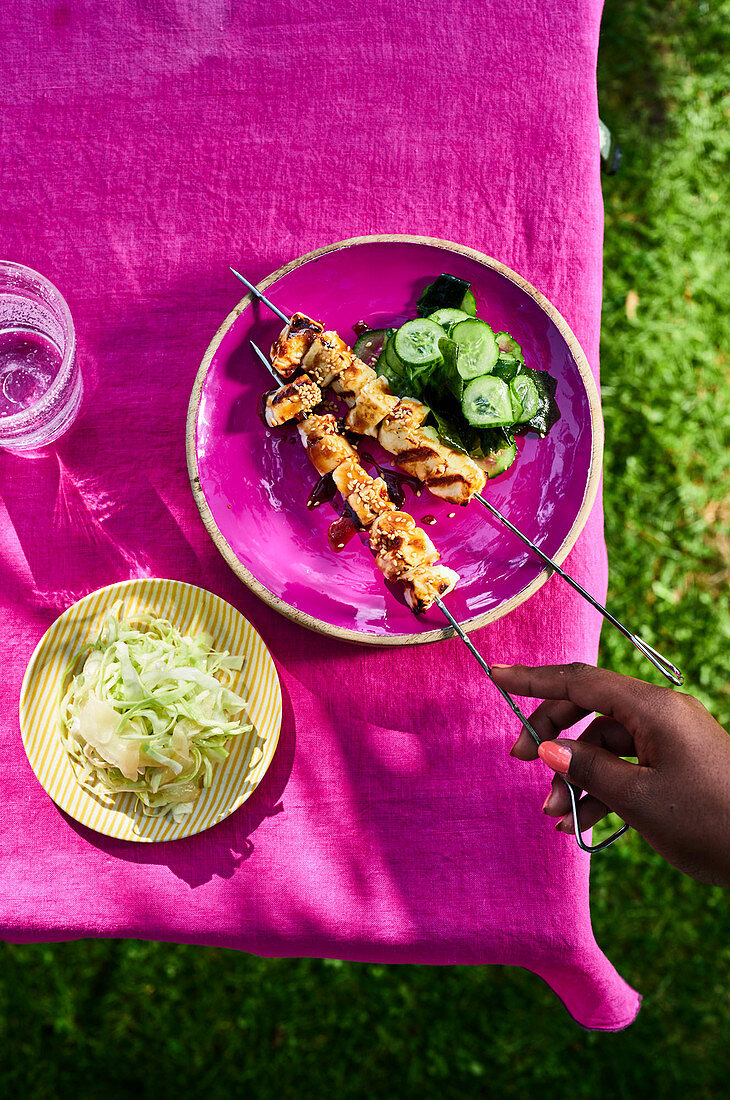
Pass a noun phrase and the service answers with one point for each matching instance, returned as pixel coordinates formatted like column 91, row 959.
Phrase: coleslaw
column 145, row 709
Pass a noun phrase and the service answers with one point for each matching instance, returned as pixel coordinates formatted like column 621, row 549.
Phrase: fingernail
column 501, row 666
column 565, row 825
column 555, row 756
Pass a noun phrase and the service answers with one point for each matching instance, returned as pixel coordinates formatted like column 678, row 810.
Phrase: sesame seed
column 451, row 515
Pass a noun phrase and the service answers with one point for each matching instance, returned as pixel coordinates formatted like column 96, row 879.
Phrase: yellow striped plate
column 190, row 609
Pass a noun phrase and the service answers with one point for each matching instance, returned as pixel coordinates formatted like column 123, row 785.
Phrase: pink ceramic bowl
column 251, row 486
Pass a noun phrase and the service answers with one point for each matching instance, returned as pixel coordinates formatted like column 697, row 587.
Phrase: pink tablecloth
column 144, row 148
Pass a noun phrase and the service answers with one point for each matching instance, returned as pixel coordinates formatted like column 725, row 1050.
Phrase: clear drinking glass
column 40, row 380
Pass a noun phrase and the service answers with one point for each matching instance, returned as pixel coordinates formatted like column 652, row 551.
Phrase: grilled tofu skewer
column 397, row 423
column 424, row 456
column 403, row 552
column 374, row 411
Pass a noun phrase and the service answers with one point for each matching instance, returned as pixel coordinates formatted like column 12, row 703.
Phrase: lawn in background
column 128, row 1019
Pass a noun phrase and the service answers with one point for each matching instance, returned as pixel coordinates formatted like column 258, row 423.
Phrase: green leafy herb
column 446, row 292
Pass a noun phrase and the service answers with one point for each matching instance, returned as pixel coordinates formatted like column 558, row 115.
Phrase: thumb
column 607, row 777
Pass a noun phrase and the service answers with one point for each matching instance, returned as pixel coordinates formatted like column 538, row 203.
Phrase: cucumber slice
column 478, row 351
column 381, row 363
column 446, row 317
column 469, row 303
column 368, row 346
column 525, row 398
column 496, row 462
column 391, row 356
column 389, row 366
column 416, row 343
column 487, row 402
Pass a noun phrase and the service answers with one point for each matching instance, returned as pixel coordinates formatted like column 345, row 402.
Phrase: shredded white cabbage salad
column 149, row 713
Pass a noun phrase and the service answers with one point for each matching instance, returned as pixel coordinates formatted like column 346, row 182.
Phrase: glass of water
column 40, row 380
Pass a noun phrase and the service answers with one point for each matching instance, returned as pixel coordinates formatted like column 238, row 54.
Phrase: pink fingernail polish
column 545, row 803
column 556, row 756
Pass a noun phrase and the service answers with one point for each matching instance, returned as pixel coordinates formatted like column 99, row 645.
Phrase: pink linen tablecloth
column 144, row 148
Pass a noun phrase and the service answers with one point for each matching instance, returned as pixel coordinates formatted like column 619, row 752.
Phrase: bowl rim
column 184, row 595
column 311, row 621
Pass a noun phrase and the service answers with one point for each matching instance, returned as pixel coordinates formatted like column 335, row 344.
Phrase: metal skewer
column 574, row 794
column 257, row 294
column 663, row 664
column 265, row 361
column 573, row 791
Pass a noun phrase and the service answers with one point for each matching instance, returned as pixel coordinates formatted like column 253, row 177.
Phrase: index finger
column 621, row 697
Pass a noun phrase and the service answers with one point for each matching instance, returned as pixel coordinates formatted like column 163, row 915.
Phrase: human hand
column 677, row 795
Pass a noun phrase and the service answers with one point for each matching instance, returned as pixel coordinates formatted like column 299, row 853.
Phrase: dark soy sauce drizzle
column 360, row 327
column 342, row 529
column 394, row 481
column 339, row 533
column 324, row 490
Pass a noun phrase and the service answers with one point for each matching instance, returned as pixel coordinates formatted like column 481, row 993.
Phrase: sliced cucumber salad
column 474, row 380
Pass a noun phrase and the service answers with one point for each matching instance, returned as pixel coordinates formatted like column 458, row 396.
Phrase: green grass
column 665, row 370
column 108, row 1019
